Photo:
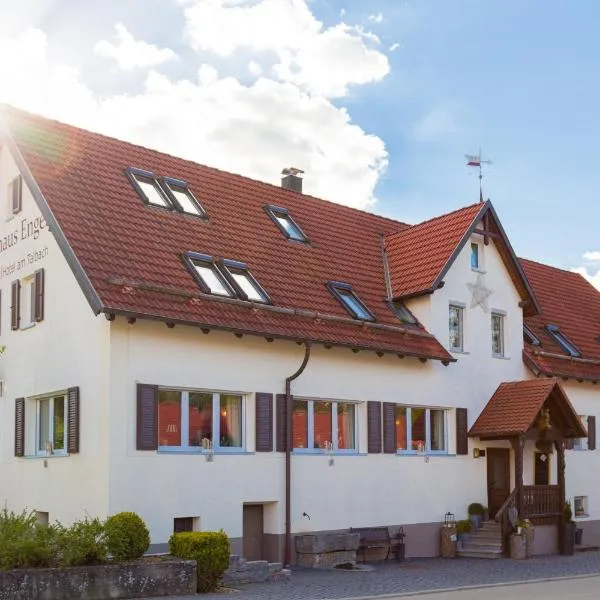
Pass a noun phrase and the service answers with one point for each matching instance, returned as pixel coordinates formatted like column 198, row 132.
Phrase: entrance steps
column 485, row 542
column 253, row 571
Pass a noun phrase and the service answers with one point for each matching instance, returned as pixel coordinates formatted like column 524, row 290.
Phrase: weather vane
column 475, row 160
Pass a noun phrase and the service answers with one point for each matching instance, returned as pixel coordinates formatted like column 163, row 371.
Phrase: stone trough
column 326, row 550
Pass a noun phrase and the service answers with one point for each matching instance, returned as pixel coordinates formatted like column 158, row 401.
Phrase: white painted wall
column 68, row 348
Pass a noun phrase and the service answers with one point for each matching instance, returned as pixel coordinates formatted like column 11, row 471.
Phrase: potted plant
column 518, row 544
column 463, row 529
column 476, row 511
column 527, row 530
column 568, row 537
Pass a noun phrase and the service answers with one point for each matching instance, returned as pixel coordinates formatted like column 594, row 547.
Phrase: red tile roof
column 417, row 255
column 131, row 253
column 572, row 303
column 514, row 406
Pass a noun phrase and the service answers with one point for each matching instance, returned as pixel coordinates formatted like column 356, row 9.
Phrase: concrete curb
column 469, row 587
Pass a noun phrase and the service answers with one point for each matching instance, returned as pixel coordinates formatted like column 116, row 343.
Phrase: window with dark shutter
column 591, row 427
column 73, row 420
column 147, row 417
column 16, row 194
column 38, row 310
column 389, row 428
column 264, row 422
column 374, row 427
column 20, row 427
column 462, row 432
column 15, row 305
column 281, row 423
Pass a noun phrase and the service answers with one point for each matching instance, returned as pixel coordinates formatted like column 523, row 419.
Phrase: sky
column 376, row 101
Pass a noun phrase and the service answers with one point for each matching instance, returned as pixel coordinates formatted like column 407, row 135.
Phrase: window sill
column 216, row 451
column 426, row 453
column 46, row 456
column 318, row 452
column 458, row 351
column 501, row 356
column 30, row 326
column 478, row 270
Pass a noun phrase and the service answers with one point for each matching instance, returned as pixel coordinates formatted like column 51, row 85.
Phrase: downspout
column 288, row 456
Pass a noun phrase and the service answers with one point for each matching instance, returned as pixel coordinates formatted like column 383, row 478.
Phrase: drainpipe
column 288, row 456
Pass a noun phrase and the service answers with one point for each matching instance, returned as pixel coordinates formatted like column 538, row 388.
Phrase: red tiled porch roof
column 514, row 406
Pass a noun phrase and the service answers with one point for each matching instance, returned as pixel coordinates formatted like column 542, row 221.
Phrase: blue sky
column 378, row 101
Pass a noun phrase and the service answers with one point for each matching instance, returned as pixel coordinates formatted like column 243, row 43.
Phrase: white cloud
column 376, row 18
column 394, row 47
column 434, row 125
column 323, row 61
column 252, row 129
column 254, row 68
column 593, row 278
column 131, row 53
column 592, row 256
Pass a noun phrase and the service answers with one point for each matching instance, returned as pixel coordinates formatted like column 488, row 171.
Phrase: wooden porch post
column 518, row 444
column 560, row 476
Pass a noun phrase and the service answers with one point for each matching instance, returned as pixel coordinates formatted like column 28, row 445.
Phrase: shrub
column 210, row 549
column 475, row 508
column 463, row 527
column 127, row 536
column 83, row 543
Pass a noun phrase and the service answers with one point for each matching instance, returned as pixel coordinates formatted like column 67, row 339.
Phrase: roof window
column 226, row 278
column 282, row 218
column 562, row 341
column 148, row 188
column 182, row 197
column 403, row 314
column 350, row 301
column 530, row 337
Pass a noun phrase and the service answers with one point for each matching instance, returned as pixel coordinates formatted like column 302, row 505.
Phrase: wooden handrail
column 506, row 505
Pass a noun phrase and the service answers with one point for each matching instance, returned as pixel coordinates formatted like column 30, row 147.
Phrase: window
column 530, row 337
column 184, row 524
column 148, row 188
column 581, row 443
column 475, row 256
column 187, row 420
column 497, row 334
column 580, row 506
column 27, row 300
column 403, row 314
column 15, row 196
column 282, row 218
column 51, row 425
column 228, row 278
column 455, row 327
column 420, row 429
column 350, row 301
column 562, row 341
column 182, row 197
column 317, row 424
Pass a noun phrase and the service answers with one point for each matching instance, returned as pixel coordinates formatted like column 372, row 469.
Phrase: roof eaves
column 80, row 275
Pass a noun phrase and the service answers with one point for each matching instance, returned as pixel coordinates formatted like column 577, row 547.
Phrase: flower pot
column 568, row 541
column 463, row 539
column 475, row 521
column 518, row 547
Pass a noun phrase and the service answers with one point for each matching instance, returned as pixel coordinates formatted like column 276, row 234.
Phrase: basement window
column 147, row 186
column 243, row 281
column 562, row 341
column 530, row 337
column 182, row 197
column 403, row 314
column 350, row 301
column 282, row 218
column 208, row 275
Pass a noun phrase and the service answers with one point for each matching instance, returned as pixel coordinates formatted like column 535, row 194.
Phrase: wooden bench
column 376, row 538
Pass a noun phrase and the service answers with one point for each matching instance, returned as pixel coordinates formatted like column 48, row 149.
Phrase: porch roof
column 513, row 408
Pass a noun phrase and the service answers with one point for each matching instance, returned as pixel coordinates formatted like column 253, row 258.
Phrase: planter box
column 518, row 547
column 146, row 577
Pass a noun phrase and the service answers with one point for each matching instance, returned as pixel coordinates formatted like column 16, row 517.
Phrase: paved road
column 582, row 588
column 418, row 576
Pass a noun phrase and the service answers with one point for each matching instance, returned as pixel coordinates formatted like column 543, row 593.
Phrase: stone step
column 470, row 547
column 274, row 567
column 486, row 536
column 281, row 575
column 471, row 554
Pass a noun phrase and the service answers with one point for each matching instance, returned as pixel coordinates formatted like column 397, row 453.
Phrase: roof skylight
column 402, row 312
column 246, row 285
column 282, row 218
column 350, row 301
column 148, row 188
column 562, row 341
column 183, row 197
column 208, row 275
column 530, row 337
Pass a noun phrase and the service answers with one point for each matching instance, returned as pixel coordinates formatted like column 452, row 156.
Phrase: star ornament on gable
column 480, row 293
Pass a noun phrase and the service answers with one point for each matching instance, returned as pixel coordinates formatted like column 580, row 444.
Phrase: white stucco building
column 152, row 311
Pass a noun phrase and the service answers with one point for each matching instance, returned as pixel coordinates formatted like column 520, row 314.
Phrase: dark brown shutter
column 39, row 295
column 281, row 422
column 389, row 428
column 17, row 194
column 264, row 422
column 147, row 417
column 591, row 427
column 20, row 427
column 462, row 431
column 15, row 307
column 374, row 427
column 73, row 416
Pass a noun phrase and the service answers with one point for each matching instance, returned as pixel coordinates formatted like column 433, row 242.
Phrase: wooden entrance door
column 542, row 469
column 253, row 531
column 498, row 478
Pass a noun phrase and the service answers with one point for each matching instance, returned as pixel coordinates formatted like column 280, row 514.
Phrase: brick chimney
column 292, row 179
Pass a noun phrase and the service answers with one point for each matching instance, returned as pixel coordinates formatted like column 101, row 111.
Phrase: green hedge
column 210, row 549
column 127, row 536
